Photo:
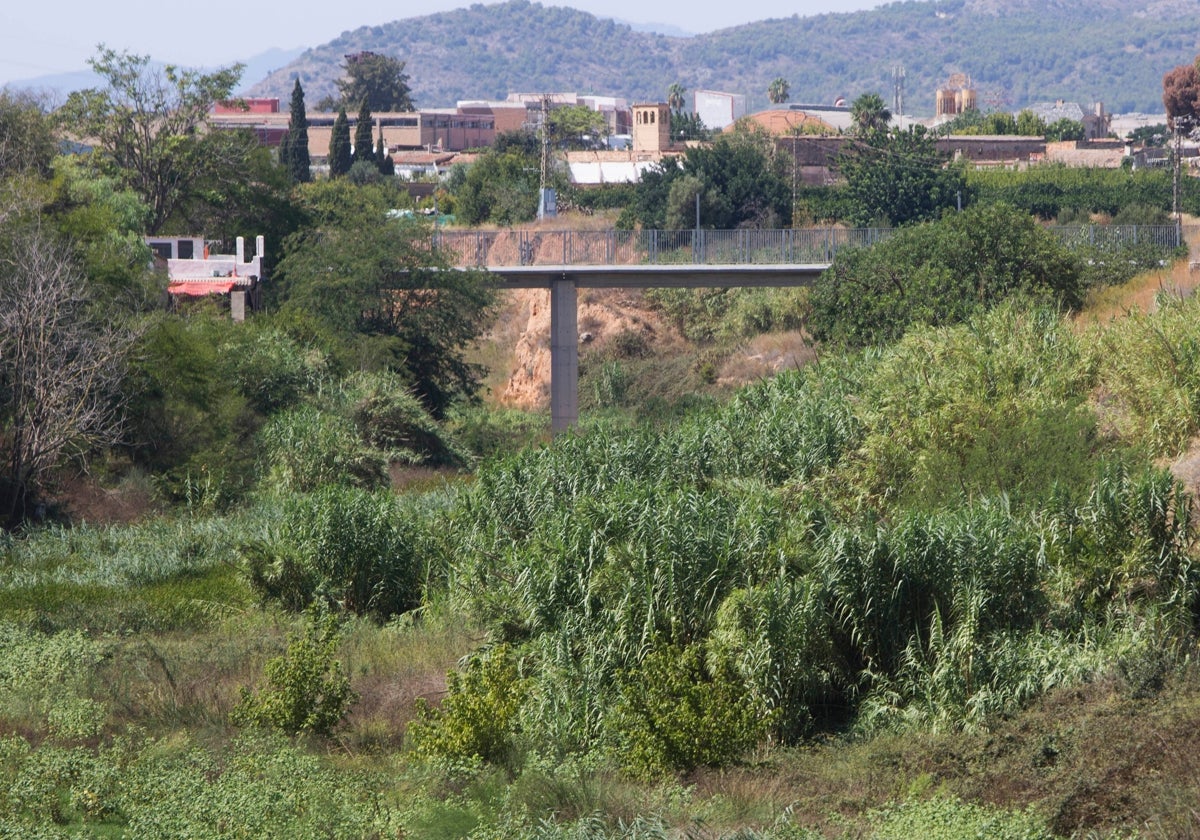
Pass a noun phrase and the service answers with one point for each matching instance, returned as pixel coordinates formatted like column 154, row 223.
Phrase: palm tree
column 778, row 91
column 675, row 96
column 869, row 114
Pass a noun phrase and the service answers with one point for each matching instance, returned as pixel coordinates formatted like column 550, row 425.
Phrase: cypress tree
column 297, row 159
column 364, row 150
column 285, row 143
column 339, row 146
column 386, row 165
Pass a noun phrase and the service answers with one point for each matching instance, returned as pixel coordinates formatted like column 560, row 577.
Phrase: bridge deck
column 657, row 276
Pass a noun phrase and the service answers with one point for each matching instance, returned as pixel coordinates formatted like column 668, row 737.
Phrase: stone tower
column 652, row 127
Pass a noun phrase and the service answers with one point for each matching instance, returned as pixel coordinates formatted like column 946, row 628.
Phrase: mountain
column 264, row 64
column 57, row 86
column 1016, row 51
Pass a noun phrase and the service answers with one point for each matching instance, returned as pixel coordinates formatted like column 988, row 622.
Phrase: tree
column 238, row 190
column 499, row 187
column 298, row 162
column 940, row 273
column 1153, row 136
column 27, row 139
column 575, row 127
column 869, row 115
column 340, row 158
column 778, row 91
column 1065, row 129
column 383, row 160
column 364, row 146
column 378, row 79
column 146, row 120
column 685, row 126
column 899, row 177
column 742, row 185
column 373, row 280
column 1030, row 124
column 1181, row 98
column 676, row 96
column 61, row 366
column 746, row 185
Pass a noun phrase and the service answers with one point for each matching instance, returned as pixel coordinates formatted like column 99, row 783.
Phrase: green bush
column 393, row 420
column 270, row 368
column 478, row 718
column 993, row 406
column 42, row 680
column 356, row 550
column 778, row 637
column 305, row 689
column 940, row 273
column 305, row 448
column 675, row 714
column 947, row 818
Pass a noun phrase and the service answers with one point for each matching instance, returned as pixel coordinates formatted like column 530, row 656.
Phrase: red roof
column 196, row 289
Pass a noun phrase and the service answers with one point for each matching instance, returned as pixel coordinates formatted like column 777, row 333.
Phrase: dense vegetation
column 362, row 610
column 924, row 538
column 1017, row 53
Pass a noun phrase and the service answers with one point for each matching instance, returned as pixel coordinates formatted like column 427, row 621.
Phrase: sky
column 37, row 40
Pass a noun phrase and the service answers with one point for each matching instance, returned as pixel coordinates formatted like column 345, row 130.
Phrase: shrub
column 304, row 448
column 675, row 714
column 947, row 818
column 1149, row 368
column 993, row 406
column 305, row 689
column 392, row 419
column 270, row 368
column 940, row 273
column 478, row 718
column 353, row 549
column 779, row 639
column 41, row 681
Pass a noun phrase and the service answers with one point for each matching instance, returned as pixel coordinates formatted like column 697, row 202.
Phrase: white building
column 718, row 110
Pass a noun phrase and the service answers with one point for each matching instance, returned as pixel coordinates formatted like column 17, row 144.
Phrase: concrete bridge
column 565, row 261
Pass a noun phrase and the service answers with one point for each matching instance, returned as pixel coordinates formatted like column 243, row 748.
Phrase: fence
column 650, row 247
column 806, row 246
column 1166, row 237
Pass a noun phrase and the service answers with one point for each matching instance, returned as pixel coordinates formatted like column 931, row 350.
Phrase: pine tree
column 364, row 149
column 339, row 146
column 296, row 157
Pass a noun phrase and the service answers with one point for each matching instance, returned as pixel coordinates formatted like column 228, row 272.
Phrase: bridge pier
column 564, row 281
column 564, row 354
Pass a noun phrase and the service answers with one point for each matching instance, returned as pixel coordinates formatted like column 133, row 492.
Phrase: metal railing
column 650, row 247
column 1120, row 236
column 804, row 246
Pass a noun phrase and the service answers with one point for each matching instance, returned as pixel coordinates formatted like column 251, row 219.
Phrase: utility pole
column 898, row 93
column 547, row 206
column 1175, row 164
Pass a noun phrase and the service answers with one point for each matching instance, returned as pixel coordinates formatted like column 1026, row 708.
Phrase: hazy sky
column 39, row 40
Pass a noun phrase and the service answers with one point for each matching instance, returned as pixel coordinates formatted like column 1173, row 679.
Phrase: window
column 186, row 249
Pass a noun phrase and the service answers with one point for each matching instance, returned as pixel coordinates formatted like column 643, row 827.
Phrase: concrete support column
column 564, row 354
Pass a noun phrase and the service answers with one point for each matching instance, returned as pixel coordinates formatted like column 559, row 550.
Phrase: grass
column 1141, row 294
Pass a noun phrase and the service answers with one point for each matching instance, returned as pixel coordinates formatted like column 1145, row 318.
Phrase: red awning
column 201, row 289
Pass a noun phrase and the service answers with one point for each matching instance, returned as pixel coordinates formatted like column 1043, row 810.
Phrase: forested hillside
column 1016, row 52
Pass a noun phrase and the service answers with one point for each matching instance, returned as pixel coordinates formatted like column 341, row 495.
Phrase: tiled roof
column 789, row 122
